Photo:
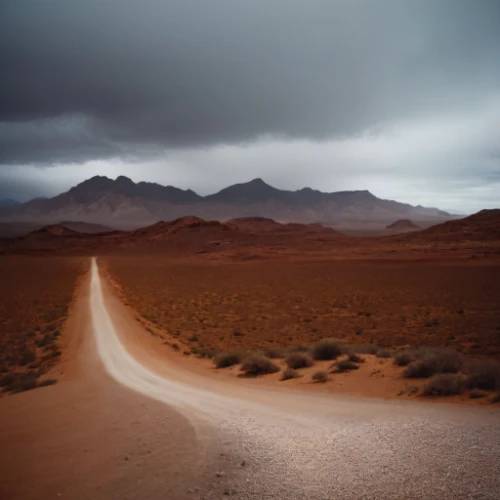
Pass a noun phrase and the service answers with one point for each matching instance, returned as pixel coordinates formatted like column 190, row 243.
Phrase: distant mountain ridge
column 122, row 203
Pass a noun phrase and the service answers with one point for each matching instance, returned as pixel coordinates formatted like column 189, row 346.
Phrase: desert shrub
column 8, row 379
column 477, row 393
column 48, row 381
column 230, row 358
column 298, row 348
column 444, row 384
column 496, row 398
column 24, row 384
column 193, row 338
column 403, row 358
column 483, row 374
column 289, row 373
column 384, row 353
column 320, row 376
column 433, row 362
column 274, row 352
column 298, row 360
column 26, row 356
column 327, row 349
column 361, row 348
column 258, row 365
column 355, row 358
column 345, row 365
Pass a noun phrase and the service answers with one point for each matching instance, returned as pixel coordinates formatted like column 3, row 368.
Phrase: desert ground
column 169, row 367
column 130, row 420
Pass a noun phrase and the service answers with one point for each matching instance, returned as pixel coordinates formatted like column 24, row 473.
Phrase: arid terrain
column 238, row 335
column 35, row 295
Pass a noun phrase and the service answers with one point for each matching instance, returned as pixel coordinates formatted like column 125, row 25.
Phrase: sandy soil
column 74, row 439
column 89, row 437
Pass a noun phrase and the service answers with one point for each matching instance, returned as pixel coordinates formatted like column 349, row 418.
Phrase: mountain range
column 122, row 203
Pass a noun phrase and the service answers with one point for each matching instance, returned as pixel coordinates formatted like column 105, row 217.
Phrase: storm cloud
column 148, row 82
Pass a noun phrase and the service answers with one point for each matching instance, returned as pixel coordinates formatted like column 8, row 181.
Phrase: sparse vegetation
column 433, row 361
column 355, row 358
column 477, row 393
column 275, row 352
column 32, row 315
column 326, row 350
column 320, row 376
column 444, row 384
column 268, row 303
column 226, row 359
column 483, row 374
column 403, row 358
column 384, row 353
column 258, row 365
column 289, row 373
column 344, row 365
column 298, row 360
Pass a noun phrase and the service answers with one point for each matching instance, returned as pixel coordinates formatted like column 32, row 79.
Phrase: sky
column 401, row 97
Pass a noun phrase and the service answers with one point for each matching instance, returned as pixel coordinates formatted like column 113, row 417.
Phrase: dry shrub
column 477, row 393
column 434, row 361
column 496, row 398
column 298, row 360
column 384, row 353
column 226, row 359
column 344, row 365
column 274, row 352
column 320, row 376
column 258, row 365
column 327, row 349
column 483, row 374
column 289, row 373
column 361, row 348
column 444, row 384
column 403, row 358
column 355, row 358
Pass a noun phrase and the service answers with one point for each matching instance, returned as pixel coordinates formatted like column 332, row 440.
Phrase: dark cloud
column 89, row 80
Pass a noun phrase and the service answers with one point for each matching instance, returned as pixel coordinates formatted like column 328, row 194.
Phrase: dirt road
column 250, row 442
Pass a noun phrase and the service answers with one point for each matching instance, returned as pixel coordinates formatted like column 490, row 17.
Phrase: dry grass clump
column 326, row 350
column 433, row 361
column 444, row 384
column 275, row 352
column 230, row 358
column 258, row 365
column 320, row 376
column 355, row 358
column 384, row 353
column 483, row 374
column 298, row 360
column 477, row 393
column 344, row 365
column 361, row 348
column 403, row 358
column 289, row 373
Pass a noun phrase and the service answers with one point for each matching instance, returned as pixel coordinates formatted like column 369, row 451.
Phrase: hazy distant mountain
column 9, row 203
column 121, row 203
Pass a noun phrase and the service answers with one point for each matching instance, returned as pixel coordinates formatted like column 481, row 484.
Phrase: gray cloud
column 88, row 80
column 400, row 97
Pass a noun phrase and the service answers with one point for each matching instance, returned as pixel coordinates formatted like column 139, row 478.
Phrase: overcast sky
column 398, row 97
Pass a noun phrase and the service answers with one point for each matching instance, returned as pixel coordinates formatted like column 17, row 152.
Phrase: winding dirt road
column 214, row 439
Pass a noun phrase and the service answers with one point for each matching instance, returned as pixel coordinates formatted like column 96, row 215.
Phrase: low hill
column 482, row 226
column 403, row 225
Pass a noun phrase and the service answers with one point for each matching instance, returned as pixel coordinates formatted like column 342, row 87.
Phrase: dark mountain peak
column 255, row 190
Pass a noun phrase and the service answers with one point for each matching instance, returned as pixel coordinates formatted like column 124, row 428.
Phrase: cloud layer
column 365, row 82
